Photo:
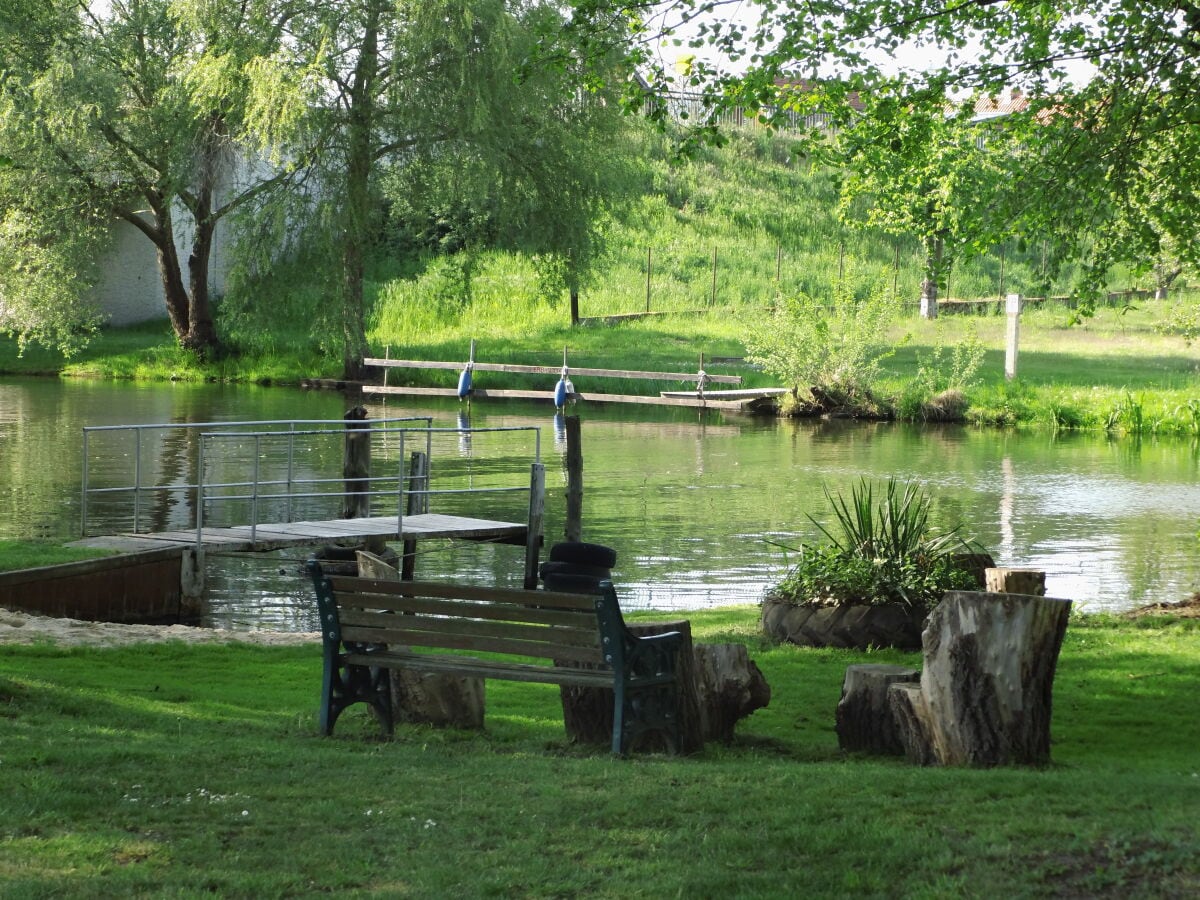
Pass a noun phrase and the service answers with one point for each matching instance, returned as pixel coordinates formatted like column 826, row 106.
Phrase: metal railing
column 139, row 489
column 296, row 488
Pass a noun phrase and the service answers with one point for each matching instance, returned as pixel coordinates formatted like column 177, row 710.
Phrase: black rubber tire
column 584, row 554
column 555, row 567
column 572, row 584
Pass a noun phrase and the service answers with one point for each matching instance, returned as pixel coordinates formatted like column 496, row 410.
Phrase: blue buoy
column 563, row 390
column 464, row 382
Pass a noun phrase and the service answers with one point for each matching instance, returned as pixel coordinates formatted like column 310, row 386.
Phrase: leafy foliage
column 838, row 348
column 885, row 552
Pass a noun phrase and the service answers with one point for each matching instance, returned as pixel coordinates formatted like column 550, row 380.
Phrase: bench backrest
column 535, row 624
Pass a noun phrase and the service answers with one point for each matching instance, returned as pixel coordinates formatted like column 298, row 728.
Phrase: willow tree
column 434, row 102
column 125, row 111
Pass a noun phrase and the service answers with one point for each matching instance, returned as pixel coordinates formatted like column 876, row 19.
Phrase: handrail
column 229, row 426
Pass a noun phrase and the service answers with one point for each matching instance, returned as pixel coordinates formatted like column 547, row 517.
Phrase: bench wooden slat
column 469, row 609
column 474, row 643
column 555, row 635
column 348, row 584
column 371, row 625
column 486, row 668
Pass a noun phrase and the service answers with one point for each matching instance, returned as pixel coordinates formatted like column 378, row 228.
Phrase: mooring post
column 1012, row 306
column 356, row 464
column 533, row 533
column 418, row 502
column 574, row 526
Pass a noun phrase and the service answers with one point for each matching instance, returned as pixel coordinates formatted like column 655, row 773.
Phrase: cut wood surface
column 1015, row 581
column 985, row 692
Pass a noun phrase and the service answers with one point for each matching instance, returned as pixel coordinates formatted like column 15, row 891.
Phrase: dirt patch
column 1182, row 609
column 22, row 628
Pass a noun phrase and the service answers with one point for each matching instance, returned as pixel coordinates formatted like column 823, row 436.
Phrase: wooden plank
column 350, row 585
column 743, row 394
column 473, row 643
column 481, row 668
column 437, row 627
column 645, row 400
column 552, row 370
column 469, row 609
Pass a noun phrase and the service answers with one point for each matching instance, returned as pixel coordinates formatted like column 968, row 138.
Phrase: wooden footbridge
column 253, row 486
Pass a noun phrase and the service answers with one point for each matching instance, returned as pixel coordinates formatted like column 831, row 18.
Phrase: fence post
column 1013, row 308
column 574, row 525
column 647, row 279
column 356, row 464
column 714, row 278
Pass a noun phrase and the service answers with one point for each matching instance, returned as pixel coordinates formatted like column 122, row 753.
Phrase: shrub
column 880, row 553
column 837, row 349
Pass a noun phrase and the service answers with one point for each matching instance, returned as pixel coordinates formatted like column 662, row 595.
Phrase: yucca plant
column 880, row 552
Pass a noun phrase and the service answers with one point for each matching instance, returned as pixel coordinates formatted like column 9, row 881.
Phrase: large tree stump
column 985, row 693
column 1015, row 581
column 588, row 712
column 864, row 720
column 729, row 686
column 428, row 698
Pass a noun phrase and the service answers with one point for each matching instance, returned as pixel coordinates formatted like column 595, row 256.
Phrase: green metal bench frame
column 369, row 626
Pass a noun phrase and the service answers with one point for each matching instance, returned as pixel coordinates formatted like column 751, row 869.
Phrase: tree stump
column 1015, row 581
column 588, row 712
column 864, row 717
column 984, row 698
column 729, row 686
column 428, row 698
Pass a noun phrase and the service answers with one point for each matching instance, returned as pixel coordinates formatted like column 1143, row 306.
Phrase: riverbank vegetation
column 774, row 241
column 187, row 769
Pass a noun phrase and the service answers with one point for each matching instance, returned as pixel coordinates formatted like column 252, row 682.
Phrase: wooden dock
column 276, row 535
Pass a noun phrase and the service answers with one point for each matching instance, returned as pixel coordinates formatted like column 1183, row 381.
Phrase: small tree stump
column 587, row 712
column 864, row 718
column 729, row 686
column 984, row 698
column 428, row 698
column 1015, row 581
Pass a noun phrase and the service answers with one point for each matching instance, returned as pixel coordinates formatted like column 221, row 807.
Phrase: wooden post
column 647, row 279
column 778, row 263
column 417, row 502
column 1015, row 581
column 574, row 306
column 1013, row 308
column 574, row 525
column 714, row 278
column 356, row 464
column 533, row 532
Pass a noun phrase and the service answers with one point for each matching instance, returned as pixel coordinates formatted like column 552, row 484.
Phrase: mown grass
column 32, row 554
column 177, row 770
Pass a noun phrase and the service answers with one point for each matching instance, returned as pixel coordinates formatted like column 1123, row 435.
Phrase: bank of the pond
column 1115, row 372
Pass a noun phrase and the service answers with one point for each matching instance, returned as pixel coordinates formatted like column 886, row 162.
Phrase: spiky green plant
column 880, row 552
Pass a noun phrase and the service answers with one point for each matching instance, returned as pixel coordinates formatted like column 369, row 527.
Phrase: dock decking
column 273, row 536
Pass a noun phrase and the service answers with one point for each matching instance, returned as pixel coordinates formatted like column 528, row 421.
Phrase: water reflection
column 696, row 504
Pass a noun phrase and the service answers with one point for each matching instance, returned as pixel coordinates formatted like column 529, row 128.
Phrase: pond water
column 696, row 504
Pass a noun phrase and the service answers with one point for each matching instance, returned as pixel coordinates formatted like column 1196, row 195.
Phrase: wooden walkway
column 273, row 536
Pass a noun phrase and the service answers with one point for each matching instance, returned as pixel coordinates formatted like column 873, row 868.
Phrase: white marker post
column 1012, row 306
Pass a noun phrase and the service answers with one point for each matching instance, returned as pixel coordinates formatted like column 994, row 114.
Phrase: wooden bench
column 369, row 626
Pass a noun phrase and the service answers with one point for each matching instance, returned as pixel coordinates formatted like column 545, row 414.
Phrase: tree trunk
column 729, row 686
column 984, row 698
column 588, row 712
column 1015, row 581
column 428, row 698
column 934, row 249
column 864, row 718
column 361, row 139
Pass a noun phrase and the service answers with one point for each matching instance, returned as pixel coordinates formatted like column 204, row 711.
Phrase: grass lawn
column 32, row 554
column 187, row 770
